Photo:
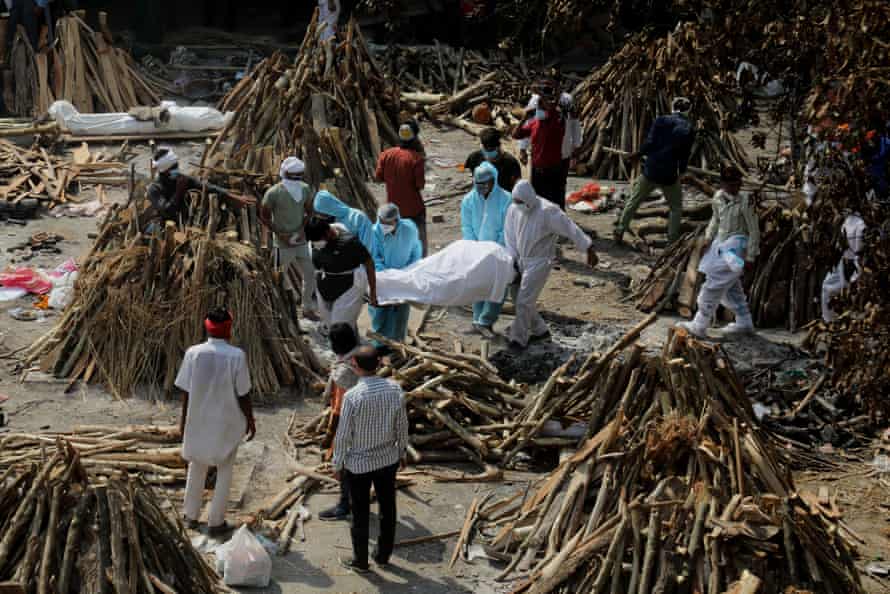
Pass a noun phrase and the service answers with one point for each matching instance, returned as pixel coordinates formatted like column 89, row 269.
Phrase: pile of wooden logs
column 685, row 489
column 619, row 101
column 83, row 67
column 141, row 298
column 63, row 531
column 337, row 116
column 34, row 173
column 104, row 452
column 782, row 289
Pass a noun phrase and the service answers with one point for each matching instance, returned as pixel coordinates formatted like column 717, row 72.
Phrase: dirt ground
column 586, row 308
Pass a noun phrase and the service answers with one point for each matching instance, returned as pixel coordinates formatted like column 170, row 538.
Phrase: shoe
column 311, row 314
column 469, row 330
column 378, row 561
column 618, row 237
column 334, row 514
column 736, row 328
column 693, row 329
column 353, row 566
column 486, row 331
column 221, row 530
column 190, row 523
column 541, row 337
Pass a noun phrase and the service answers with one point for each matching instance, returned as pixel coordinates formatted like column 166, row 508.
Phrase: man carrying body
column 530, row 234
column 355, row 221
column 401, row 168
column 370, row 444
column 216, row 414
column 734, row 235
column 509, row 171
column 546, row 131
column 285, row 209
column 396, row 245
column 344, row 269
column 667, row 150
column 482, row 215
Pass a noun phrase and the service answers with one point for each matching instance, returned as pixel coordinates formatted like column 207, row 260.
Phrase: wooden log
column 72, row 541
column 47, row 565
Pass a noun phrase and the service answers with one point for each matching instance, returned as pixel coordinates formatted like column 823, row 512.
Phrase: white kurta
column 836, row 281
column 215, row 375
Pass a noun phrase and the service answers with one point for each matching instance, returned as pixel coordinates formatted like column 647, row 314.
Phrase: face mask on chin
column 541, row 114
column 319, row 245
column 388, row 229
column 490, row 154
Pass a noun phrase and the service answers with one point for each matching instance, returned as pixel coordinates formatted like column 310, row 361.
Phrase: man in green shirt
column 285, row 209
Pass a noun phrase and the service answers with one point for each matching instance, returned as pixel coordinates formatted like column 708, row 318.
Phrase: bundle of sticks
column 141, row 298
column 104, row 452
column 674, row 484
column 783, row 288
column 619, row 101
column 64, row 531
column 34, row 173
column 336, row 111
column 83, row 67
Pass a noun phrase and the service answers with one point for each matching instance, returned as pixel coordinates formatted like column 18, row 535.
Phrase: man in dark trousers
column 509, row 170
column 369, row 447
column 667, row 150
column 401, row 168
column 546, row 130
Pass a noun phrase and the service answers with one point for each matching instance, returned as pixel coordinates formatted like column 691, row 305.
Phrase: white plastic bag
column 63, row 291
column 244, row 560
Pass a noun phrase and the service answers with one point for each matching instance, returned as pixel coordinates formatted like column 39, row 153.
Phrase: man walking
column 370, row 444
column 286, row 208
column 509, row 171
column 546, row 131
column 216, row 414
column 401, row 168
column 667, row 150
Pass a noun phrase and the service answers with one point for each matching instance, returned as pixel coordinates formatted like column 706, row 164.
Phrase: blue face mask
column 490, row 154
column 540, row 114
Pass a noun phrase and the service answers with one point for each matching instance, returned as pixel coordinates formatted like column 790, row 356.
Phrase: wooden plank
column 686, row 294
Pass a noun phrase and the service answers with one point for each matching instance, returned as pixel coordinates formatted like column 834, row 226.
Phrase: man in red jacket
column 401, row 168
column 546, row 130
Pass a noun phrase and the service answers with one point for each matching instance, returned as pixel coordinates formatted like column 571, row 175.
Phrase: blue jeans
column 390, row 321
column 485, row 313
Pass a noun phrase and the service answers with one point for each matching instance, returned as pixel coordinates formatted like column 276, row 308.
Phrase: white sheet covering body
column 182, row 119
column 461, row 274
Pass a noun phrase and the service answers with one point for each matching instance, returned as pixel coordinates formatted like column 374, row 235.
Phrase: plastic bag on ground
column 33, row 281
column 244, row 561
column 63, row 291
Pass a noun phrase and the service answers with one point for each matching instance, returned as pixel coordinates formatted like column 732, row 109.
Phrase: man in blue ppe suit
column 355, row 221
column 482, row 215
column 396, row 245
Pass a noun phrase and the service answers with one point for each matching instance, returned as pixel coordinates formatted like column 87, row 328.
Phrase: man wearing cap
column 216, row 414
column 667, row 150
column 401, row 168
column 509, row 171
column 482, row 215
column 546, row 129
column 285, row 209
column 396, row 245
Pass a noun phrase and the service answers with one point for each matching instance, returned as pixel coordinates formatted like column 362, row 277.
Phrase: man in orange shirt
column 401, row 169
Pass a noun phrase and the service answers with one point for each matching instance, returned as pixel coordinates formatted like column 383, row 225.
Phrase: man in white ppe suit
column 734, row 235
column 530, row 232
column 848, row 269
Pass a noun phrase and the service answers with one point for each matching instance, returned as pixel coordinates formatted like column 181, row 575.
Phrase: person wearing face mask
column 344, row 270
column 667, row 150
column 734, row 238
column 355, row 221
column 530, row 234
column 546, row 131
column 482, row 215
column 401, row 168
column 285, row 209
column 396, row 245
column 509, row 170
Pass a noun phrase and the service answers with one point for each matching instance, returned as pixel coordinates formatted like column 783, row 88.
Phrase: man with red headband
column 216, row 414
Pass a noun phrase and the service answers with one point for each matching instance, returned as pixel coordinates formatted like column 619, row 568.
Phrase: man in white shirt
column 216, row 414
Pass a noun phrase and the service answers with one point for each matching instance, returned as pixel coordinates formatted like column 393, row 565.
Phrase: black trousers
column 550, row 183
column 384, row 481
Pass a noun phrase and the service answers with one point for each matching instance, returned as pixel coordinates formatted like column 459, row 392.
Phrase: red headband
column 219, row 329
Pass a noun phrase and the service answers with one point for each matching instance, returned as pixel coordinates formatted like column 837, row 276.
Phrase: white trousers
column 194, row 491
column 528, row 321
column 298, row 257
column 726, row 292
column 348, row 306
column 834, row 283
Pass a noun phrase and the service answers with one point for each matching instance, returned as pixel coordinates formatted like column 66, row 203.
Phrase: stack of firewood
column 153, row 452
column 619, row 101
column 63, row 531
column 337, row 116
column 782, row 289
column 685, row 489
column 83, row 67
column 141, row 298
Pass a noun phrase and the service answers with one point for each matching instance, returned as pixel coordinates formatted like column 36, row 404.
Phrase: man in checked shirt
column 368, row 449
